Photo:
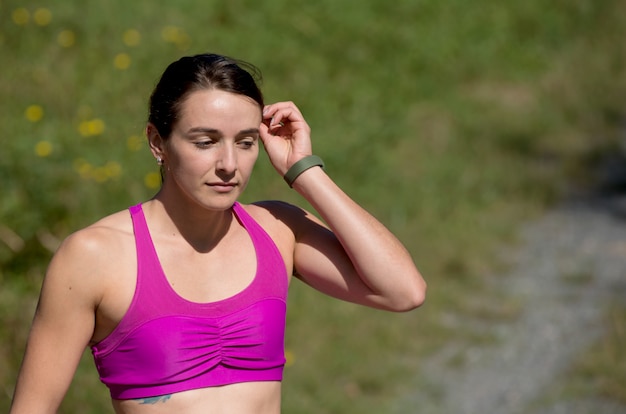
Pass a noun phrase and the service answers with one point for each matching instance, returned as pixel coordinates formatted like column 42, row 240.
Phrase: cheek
column 190, row 163
column 246, row 160
column 249, row 159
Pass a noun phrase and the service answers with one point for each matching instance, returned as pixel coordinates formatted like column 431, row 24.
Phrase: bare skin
column 208, row 160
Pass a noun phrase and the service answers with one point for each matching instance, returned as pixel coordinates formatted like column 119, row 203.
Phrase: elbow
column 412, row 298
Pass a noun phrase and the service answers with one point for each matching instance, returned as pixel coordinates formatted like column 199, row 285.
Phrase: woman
column 182, row 298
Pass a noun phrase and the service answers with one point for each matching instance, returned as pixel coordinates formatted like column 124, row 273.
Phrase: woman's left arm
column 352, row 256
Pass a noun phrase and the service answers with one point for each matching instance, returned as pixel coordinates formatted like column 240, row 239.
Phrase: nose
column 227, row 160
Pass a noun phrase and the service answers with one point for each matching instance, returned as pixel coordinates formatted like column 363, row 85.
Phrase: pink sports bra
column 166, row 344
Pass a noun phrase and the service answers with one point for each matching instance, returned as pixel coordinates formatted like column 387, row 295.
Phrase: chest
column 201, row 277
column 219, row 273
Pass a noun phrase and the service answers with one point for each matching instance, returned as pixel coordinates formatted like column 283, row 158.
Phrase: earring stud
column 159, row 160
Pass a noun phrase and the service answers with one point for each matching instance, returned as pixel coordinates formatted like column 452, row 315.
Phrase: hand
column 285, row 135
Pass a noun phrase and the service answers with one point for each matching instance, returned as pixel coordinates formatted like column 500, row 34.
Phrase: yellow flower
column 83, row 128
column 99, row 174
column 177, row 36
column 83, row 167
column 113, row 169
column 131, row 37
column 43, row 148
column 290, row 358
column 134, row 143
column 96, row 126
column 42, row 16
column 91, row 127
column 66, row 38
column 34, row 113
column 152, row 180
column 122, row 61
column 170, row 33
column 20, row 16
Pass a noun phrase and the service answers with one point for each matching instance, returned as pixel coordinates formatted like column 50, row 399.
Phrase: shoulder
column 284, row 217
column 279, row 219
column 95, row 246
column 100, row 236
column 274, row 209
column 86, row 258
column 274, row 213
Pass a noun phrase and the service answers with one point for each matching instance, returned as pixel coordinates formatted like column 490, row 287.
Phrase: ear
column 155, row 141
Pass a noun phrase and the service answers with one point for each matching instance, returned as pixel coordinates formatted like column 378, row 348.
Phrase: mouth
column 222, row 187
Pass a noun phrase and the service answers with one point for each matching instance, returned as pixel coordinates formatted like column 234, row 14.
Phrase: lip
column 222, row 187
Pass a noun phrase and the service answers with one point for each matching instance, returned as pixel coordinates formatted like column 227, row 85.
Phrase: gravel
column 570, row 266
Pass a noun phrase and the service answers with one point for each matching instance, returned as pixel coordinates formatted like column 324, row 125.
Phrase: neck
column 202, row 228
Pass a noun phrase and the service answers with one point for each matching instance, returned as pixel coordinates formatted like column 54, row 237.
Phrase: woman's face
column 212, row 149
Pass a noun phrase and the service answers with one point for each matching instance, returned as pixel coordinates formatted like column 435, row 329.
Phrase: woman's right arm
column 62, row 327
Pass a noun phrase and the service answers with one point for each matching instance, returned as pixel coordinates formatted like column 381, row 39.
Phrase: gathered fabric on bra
column 166, row 344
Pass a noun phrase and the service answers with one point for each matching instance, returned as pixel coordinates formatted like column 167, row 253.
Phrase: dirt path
column 570, row 266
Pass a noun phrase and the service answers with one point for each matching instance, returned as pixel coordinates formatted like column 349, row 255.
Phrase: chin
column 222, row 202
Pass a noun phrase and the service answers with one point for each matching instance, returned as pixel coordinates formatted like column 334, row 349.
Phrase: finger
column 277, row 128
column 285, row 116
column 270, row 123
column 275, row 115
column 278, row 105
column 283, row 110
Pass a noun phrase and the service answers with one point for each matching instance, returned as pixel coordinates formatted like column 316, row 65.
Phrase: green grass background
column 451, row 121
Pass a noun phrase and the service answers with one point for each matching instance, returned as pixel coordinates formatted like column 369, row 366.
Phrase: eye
column 204, row 144
column 247, row 143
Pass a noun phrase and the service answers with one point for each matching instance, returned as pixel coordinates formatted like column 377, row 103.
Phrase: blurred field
column 451, row 121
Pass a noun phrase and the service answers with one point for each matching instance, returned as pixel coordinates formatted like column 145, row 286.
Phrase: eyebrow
column 206, row 130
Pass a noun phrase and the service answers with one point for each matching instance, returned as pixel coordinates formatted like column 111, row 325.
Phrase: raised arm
column 352, row 256
column 61, row 329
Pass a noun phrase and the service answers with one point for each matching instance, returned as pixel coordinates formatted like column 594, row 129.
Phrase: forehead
column 217, row 106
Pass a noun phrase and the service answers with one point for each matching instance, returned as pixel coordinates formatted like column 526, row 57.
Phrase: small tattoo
column 154, row 400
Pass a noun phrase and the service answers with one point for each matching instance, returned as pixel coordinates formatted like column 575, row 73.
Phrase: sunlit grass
column 452, row 123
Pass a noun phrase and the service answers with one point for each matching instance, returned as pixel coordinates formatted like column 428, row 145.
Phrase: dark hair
column 199, row 72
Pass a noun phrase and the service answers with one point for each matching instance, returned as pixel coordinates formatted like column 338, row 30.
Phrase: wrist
column 301, row 166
